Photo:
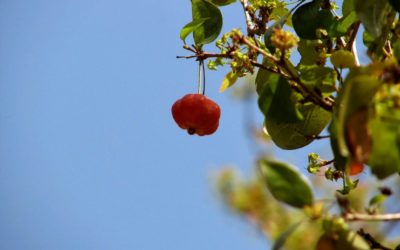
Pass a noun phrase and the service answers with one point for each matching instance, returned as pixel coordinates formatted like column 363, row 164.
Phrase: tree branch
column 351, row 216
column 374, row 244
column 249, row 22
column 351, row 45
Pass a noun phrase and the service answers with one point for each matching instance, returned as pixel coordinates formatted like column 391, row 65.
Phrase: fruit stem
column 201, row 89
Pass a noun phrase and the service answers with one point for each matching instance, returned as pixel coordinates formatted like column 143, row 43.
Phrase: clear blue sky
column 90, row 157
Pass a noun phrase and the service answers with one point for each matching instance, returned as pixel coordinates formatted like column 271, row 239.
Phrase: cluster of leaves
column 326, row 87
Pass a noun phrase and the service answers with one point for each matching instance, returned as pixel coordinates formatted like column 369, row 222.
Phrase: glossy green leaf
column 372, row 14
column 322, row 78
column 191, row 27
column 293, row 135
column 228, row 81
column 211, row 28
column 280, row 242
column 286, row 184
column 275, row 97
column 309, row 17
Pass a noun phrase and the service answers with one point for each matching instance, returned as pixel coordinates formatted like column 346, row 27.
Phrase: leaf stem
column 201, row 89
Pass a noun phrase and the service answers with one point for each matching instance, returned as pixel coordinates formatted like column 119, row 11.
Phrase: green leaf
column 377, row 200
column 278, row 244
column 345, row 22
column 350, row 240
column 222, row 2
column 308, row 52
column 354, row 100
column 286, row 184
column 309, row 17
column 211, row 28
column 385, row 157
column 372, row 14
column 276, row 97
column 347, row 7
column 322, row 78
column 228, row 81
column 293, row 135
column 340, row 160
column 191, row 27
column 346, row 240
column 281, row 15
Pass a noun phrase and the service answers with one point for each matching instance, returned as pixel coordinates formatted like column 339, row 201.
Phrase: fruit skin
column 356, row 168
column 197, row 114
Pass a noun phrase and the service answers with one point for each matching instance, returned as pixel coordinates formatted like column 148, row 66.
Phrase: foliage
column 326, row 89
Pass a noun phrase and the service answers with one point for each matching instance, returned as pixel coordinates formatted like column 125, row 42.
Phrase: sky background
column 90, row 157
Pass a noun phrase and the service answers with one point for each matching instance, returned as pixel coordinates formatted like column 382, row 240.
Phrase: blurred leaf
column 320, row 77
column 345, row 22
column 210, row 29
column 385, row 157
column 191, row 27
column 372, row 14
column 275, row 97
column 293, row 135
column 356, row 95
column 286, row 184
column 358, row 135
column 347, row 7
column 350, row 240
column 395, row 4
column 228, row 81
column 326, row 242
column 309, row 17
column 345, row 240
column 280, row 242
column 340, row 160
column 308, row 52
column 377, row 199
column 222, row 2
column 281, row 15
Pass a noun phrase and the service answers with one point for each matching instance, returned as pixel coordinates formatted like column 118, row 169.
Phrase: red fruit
column 356, row 168
column 197, row 114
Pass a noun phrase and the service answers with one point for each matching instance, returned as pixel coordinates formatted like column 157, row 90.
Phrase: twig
column 370, row 217
column 314, row 96
column 374, row 244
column 249, row 22
column 206, row 55
column 351, row 45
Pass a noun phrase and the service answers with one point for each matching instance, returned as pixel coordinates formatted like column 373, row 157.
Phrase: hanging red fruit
column 197, row 114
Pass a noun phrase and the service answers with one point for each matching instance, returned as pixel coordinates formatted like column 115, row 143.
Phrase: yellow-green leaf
column 228, row 81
